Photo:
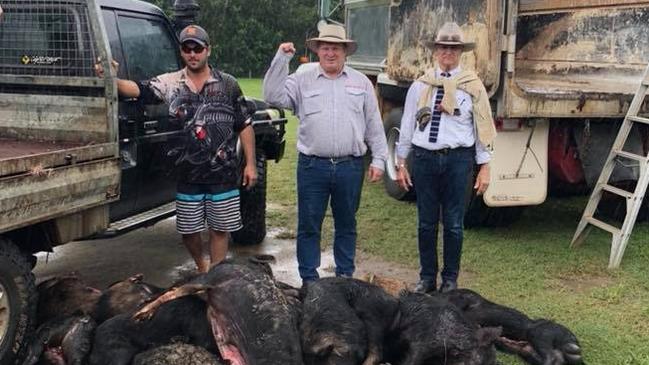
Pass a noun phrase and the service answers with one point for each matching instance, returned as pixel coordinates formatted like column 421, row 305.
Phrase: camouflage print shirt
column 212, row 119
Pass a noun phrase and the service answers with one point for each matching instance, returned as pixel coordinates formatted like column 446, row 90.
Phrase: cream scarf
column 468, row 82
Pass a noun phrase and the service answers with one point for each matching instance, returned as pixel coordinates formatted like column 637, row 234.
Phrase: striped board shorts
column 220, row 211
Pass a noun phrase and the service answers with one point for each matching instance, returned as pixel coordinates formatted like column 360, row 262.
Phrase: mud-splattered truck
column 75, row 159
column 560, row 74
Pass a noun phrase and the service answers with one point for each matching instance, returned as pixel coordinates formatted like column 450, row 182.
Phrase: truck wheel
column 253, row 208
column 17, row 301
column 478, row 214
column 392, row 125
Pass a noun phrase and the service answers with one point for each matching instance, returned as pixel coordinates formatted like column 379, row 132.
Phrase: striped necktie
column 437, row 114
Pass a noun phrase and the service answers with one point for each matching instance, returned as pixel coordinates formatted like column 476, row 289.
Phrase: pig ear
column 487, row 335
column 136, row 278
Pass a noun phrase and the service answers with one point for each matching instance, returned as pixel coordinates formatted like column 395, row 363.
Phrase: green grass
column 528, row 265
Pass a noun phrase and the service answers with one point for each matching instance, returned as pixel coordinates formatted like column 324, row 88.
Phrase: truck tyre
column 478, row 214
column 253, row 208
column 17, row 301
column 392, row 125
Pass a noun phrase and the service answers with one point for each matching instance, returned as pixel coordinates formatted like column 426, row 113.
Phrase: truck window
column 369, row 28
column 110, row 23
column 148, row 47
column 45, row 40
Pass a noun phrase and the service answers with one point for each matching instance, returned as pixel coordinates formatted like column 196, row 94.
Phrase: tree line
column 245, row 33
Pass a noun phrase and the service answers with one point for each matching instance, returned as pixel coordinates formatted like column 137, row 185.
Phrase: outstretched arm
column 546, row 342
column 279, row 88
column 126, row 88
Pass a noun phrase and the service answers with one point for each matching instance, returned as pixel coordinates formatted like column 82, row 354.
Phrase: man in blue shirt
column 447, row 124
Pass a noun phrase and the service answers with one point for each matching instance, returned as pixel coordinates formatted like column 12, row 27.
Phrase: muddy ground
column 157, row 252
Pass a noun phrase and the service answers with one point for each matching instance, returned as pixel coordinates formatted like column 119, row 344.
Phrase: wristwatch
column 400, row 166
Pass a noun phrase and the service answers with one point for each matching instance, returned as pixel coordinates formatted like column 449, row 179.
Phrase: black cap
column 196, row 34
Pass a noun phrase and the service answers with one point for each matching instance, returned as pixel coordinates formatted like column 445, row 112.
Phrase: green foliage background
column 245, row 34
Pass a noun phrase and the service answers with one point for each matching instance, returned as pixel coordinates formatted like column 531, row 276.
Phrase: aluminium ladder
column 633, row 199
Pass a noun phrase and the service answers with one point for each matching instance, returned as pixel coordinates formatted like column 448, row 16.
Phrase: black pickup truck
column 77, row 161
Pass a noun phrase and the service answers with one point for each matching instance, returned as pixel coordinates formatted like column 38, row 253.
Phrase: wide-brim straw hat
column 450, row 34
column 332, row 33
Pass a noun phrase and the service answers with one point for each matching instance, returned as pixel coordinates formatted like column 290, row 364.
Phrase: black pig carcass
column 344, row 321
column 64, row 296
column 63, row 340
column 343, row 318
column 183, row 320
column 251, row 320
column 124, row 296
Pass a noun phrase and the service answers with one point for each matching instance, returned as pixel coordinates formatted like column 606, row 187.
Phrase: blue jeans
column 440, row 181
column 318, row 181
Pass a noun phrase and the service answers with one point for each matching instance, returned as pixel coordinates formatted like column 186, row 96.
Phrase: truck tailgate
column 38, row 196
column 58, row 120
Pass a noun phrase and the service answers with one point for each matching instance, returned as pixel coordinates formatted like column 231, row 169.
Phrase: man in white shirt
column 447, row 124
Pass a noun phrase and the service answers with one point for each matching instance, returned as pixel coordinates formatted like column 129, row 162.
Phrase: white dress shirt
column 454, row 130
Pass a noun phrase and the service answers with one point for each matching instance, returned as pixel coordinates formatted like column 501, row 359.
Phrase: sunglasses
column 189, row 49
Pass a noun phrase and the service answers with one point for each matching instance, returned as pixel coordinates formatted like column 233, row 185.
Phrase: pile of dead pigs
column 238, row 314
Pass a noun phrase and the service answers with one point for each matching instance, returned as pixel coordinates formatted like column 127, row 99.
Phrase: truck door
column 149, row 48
column 128, row 193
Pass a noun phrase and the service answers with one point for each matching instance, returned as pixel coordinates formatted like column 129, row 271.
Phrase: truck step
column 145, row 218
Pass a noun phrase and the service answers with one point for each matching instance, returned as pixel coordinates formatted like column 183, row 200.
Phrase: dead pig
column 120, row 338
column 65, row 296
column 62, row 341
column 538, row 342
column 345, row 321
column 430, row 330
column 125, row 296
column 250, row 317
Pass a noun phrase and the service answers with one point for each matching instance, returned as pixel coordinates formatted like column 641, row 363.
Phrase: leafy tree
column 245, row 34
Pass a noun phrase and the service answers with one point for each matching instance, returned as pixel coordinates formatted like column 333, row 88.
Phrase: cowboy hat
column 450, row 34
column 332, row 33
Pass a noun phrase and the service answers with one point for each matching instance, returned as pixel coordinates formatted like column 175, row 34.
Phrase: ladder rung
column 603, row 225
column 631, row 156
column 617, row 191
column 638, row 119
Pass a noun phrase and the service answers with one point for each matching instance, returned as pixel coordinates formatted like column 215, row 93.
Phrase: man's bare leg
column 194, row 244
column 218, row 246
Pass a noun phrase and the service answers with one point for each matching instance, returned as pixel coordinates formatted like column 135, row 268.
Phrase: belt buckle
column 332, row 160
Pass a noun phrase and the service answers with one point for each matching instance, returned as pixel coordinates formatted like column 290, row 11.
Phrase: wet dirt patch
column 581, row 283
column 281, row 233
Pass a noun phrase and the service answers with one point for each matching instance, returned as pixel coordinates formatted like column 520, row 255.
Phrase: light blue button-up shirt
column 454, row 130
column 338, row 117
